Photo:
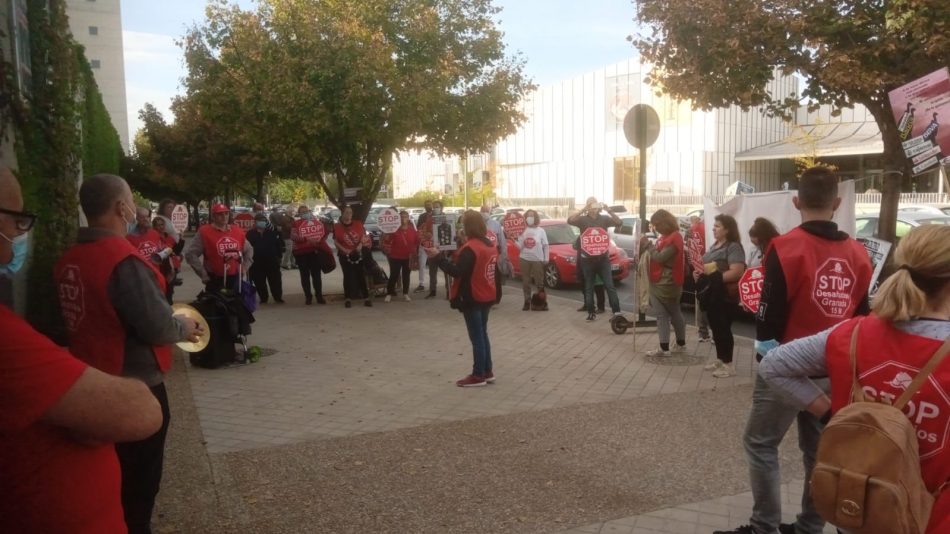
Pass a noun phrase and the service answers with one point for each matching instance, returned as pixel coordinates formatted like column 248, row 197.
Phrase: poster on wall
column 922, row 113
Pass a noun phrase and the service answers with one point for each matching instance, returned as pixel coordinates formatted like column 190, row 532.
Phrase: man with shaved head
column 59, row 416
column 113, row 303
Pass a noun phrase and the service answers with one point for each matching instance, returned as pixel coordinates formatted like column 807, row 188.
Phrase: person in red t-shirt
column 910, row 320
column 59, row 468
column 402, row 245
column 348, row 236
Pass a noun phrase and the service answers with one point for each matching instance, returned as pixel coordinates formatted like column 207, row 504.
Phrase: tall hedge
column 63, row 126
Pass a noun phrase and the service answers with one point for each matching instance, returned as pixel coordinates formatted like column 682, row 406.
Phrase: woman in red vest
column 910, row 320
column 667, row 270
column 474, row 270
column 348, row 236
column 401, row 246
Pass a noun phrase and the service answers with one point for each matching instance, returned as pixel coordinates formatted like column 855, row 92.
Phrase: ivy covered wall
column 60, row 127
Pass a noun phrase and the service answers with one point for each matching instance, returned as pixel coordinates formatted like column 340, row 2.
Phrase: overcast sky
column 558, row 38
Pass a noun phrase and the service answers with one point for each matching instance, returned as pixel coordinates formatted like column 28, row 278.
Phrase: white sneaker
column 677, row 348
column 657, row 352
column 406, row 298
column 725, row 370
column 713, row 365
column 388, row 298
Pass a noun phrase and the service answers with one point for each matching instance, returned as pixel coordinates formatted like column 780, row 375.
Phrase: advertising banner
column 922, row 113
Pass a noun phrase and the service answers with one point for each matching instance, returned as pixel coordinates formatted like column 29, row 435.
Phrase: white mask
column 529, row 220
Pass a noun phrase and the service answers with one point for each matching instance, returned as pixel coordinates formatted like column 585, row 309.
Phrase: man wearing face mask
column 423, row 258
column 268, row 249
column 599, row 264
column 17, row 241
column 225, row 251
column 118, row 321
column 142, row 236
column 60, row 417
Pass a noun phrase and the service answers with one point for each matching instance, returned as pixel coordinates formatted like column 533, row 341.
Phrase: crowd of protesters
column 110, row 390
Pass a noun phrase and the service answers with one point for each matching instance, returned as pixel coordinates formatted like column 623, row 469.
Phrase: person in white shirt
column 533, row 244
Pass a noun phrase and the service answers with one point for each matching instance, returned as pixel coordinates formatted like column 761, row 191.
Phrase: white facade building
column 572, row 146
column 97, row 25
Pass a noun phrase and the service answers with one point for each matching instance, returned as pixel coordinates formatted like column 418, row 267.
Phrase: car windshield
column 561, row 234
column 371, row 218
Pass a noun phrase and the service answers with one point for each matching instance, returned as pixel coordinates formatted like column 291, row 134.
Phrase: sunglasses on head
column 24, row 220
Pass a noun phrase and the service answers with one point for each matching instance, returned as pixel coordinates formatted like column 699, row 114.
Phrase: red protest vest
column 222, row 248
column 675, row 239
column 309, row 233
column 826, row 280
column 147, row 244
column 483, row 274
column 349, row 236
column 888, row 360
column 96, row 335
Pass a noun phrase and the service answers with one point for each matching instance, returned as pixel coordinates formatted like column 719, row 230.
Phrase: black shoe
column 263, row 301
column 744, row 529
column 527, row 305
column 321, row 300
column 582, row 308
column 279, row 301
column 309, row 301
column 178, row 282
column 591, row 316
column 368, row 303
column 431, row 295
column 601, row 310
column 420, row 289
column 347, row 303
column 786, row 528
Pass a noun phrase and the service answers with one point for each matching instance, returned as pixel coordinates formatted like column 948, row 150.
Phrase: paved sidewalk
column 357, row 404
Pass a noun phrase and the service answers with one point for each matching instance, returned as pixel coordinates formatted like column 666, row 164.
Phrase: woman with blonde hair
column 910, row 320
column 474, row 272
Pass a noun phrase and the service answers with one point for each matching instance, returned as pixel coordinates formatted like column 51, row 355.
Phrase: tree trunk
column 260, row 189
column 895, row 168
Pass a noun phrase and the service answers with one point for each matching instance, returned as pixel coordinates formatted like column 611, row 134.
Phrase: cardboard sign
column 388, row 220
column 750, row 288
column 514, row 224
column 443, row 228
column 245, row 221
column 595, row 241
column 878, row 250
column 180, row 218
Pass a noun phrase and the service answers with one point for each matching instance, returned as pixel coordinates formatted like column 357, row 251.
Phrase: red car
column 562, row 267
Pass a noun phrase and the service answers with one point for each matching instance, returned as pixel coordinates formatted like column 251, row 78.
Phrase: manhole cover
column 677, row 359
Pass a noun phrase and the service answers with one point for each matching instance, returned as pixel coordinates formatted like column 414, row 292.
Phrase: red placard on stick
column 595, row 241
column 514, row 224
column 244, row 220
column 750, row 288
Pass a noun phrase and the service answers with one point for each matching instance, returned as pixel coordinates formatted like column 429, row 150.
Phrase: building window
column 93, row 30
column 95, row 63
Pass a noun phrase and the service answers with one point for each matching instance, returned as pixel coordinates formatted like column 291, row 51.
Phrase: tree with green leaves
column 718, row 53
column 334, row 89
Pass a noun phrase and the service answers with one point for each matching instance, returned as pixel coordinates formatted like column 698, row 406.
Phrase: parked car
column 562, row 267
column 371, row 224
column 626, row 235
column 500, row 215
column 941, row 209
column 866, row 225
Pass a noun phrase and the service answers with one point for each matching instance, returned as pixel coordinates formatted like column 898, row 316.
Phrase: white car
column 866, row 225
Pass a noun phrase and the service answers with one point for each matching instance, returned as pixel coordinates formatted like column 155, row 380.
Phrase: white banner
column 777, row 207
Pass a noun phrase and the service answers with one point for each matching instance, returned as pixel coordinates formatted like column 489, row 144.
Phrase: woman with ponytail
column 910, row 319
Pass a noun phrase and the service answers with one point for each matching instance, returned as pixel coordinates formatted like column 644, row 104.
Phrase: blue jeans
column 769, row 421
column 590, row 268
column 476, row 320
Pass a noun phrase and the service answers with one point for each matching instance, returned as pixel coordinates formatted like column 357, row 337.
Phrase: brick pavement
column 341, row 372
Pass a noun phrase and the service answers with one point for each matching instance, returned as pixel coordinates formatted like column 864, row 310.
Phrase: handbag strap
column 857, row 394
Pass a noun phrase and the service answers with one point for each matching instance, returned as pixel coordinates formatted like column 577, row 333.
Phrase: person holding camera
column 594, row 260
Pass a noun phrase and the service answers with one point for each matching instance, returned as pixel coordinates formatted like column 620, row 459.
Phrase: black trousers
column 141, row 465
column 397, row 269
column 721, row 313
column 264, row 272
column 433, row 264
column 354, row 279
column 309, row 266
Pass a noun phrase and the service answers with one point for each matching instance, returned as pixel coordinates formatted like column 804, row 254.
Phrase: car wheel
column 552, row 278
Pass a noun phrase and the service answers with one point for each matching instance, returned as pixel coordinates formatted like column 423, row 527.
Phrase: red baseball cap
column 220, row 208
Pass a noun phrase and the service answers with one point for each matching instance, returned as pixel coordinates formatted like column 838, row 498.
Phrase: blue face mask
column 130, row 226
column 261, row 225
column 20, row 249
column 308, row 216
